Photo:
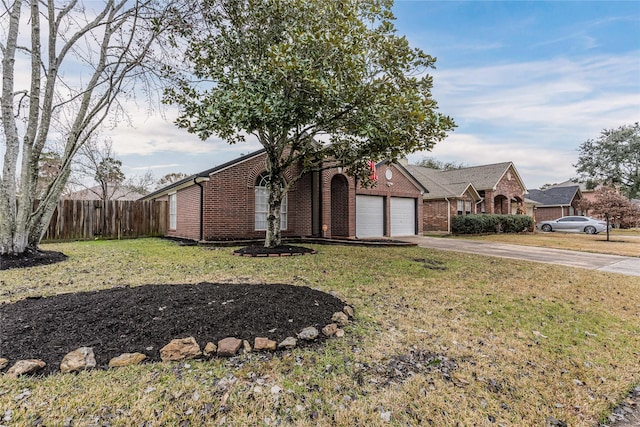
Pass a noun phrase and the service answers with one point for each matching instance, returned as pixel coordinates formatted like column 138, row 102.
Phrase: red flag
column 374, row 175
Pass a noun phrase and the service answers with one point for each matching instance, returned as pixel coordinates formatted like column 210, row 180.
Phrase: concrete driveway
column 611, row 263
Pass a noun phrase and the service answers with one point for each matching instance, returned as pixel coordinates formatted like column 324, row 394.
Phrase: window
column 173, row 211
column 464, row 207
column 262, row 206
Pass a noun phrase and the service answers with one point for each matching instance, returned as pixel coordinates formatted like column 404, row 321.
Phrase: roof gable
column 453, row 183
column 438, row 188
column 484, row 177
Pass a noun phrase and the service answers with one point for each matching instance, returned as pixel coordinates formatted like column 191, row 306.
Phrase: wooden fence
column 116, row 219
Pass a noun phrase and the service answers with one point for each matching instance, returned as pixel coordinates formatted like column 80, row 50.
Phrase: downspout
column 198, row 181
column 448, row 215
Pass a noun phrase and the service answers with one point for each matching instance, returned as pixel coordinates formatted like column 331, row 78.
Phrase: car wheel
column 590, row 230
column 546, row 227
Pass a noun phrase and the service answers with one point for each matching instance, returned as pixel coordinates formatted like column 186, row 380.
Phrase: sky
column 525, row 81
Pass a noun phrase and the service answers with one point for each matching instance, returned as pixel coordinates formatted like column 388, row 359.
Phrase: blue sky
column 526, row 82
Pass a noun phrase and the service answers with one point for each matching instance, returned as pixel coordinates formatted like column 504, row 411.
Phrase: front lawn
column 621, row 242
column 439, row 338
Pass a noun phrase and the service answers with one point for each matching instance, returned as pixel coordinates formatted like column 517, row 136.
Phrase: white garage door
column 403, row 216
column 369, row 216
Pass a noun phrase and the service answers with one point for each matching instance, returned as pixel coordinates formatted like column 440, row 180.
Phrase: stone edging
column 179, row 349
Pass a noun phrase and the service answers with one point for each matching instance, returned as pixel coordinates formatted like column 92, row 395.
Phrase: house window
column 262, row 206
column 464, row 207
column 173, row 212
column 482, row 207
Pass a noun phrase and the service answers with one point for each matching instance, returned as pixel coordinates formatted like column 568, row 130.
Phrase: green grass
column 529, row 340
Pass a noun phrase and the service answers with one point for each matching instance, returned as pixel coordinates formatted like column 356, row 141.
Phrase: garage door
column 369, row 216
column 403, row 216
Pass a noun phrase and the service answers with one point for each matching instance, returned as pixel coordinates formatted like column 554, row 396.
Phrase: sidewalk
column 601, row 262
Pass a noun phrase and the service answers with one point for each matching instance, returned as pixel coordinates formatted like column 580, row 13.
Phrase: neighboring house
column 557, row 201
column 588, row 194
column 491, row 189
column 230, row 202
column 114, row 193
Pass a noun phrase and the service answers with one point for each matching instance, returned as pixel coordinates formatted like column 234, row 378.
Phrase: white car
column 579, row 224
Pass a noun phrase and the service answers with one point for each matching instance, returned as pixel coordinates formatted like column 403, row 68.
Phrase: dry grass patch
column 621, row 242
column 440, row 338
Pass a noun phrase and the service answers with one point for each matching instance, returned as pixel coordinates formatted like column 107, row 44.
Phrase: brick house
column 557, row 201
column 229, row 202
column 492, row 189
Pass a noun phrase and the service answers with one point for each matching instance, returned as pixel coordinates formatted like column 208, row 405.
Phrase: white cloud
column 535, row 113
column 536, row 165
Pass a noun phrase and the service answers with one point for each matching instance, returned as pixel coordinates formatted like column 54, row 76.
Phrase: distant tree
column 64, row 66
column 613, row 159
column 433, row 163
column 141, row 184
column 609, row 201
column 312, row 80
column 170, row 178
column 97, row 163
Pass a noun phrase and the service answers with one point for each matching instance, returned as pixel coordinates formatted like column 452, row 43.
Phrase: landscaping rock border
column 181, row 349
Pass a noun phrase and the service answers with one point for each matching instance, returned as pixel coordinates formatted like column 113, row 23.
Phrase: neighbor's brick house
column 555, row 202
column 491, row 189
column 229, row 202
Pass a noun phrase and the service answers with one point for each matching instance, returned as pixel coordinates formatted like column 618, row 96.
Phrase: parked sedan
column 578, row 224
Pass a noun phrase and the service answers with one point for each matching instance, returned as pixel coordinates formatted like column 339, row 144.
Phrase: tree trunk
column 273, row 237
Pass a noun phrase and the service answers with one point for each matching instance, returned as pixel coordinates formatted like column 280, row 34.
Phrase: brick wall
column 510, row 188
column 229, row 202
column 188, row 213
column 397, row 186
column 550, row 213
column 435, row 215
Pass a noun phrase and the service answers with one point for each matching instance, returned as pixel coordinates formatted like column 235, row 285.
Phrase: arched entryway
column 339, row 206
column 500, row 205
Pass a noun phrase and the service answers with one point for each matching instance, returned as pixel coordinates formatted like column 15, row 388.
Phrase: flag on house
column 373, row 175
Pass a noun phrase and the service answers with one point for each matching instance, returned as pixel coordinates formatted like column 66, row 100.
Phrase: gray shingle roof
column 483, row 177
column 453, row 183
column 120, row 193
column 554, row 196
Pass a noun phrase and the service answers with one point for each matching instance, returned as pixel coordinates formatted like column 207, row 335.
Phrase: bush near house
column 482, row 224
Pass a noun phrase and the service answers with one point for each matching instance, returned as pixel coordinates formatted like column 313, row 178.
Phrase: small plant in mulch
column 282, row 250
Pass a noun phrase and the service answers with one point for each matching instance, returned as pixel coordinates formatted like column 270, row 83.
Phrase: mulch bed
column 145, row 318
column 282, row 250
column 31, row 258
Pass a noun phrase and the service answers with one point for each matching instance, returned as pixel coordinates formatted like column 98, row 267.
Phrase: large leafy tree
column 313, row 81
column 613, row 159
column 433, row 163
column 64, row 67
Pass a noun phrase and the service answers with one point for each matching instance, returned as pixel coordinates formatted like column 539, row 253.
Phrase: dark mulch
column 145, row 318
column 31, row 258
column 282, row 250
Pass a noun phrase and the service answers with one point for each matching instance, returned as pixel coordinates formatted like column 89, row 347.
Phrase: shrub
column 483, row 223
